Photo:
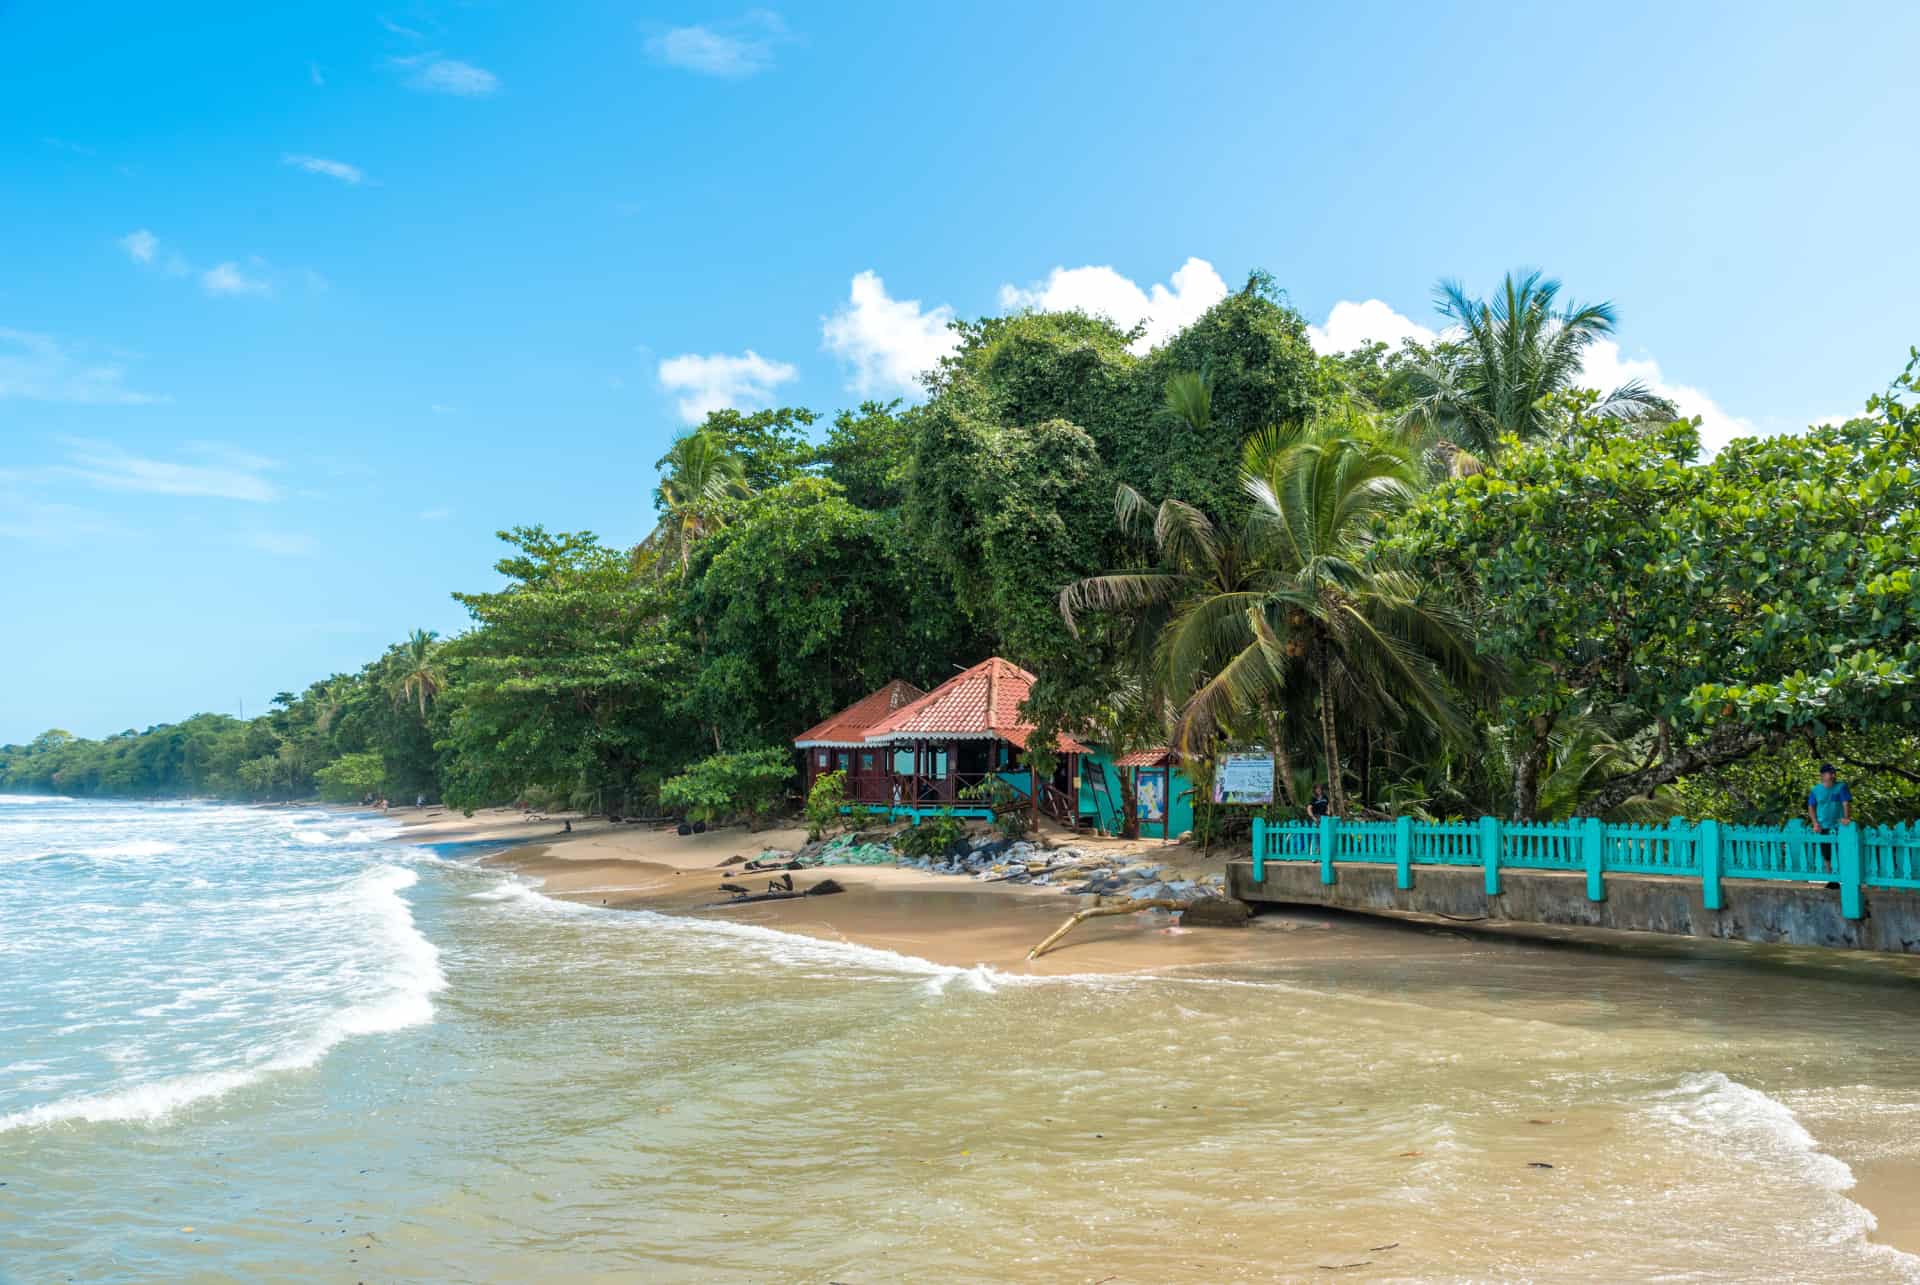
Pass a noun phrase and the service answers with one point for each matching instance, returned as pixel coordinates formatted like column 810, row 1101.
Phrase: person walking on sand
column 1830, row 803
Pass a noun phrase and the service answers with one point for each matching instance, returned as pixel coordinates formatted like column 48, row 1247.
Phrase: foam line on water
column 1759, row 1126
column 780, row 947
column 409, row 977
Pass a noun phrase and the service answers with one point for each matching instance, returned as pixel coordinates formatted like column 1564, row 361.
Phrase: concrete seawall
column 1756, row 910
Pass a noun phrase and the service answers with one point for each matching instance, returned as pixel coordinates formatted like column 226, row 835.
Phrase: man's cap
column 1827, row 769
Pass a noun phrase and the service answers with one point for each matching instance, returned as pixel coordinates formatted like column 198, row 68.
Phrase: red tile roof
column 981, row 702
column 850, row 726
column 1144, row 758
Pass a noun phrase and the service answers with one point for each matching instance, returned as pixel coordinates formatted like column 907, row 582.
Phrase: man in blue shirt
column 1830, row 803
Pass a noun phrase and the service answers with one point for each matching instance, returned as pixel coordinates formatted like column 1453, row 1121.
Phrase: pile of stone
column 1072, row 870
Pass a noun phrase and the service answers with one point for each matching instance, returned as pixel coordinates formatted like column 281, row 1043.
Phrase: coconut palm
column 1189, row 610
column 1512, row 354
column 1293, row 620
column 421, row 679
column 700, row 475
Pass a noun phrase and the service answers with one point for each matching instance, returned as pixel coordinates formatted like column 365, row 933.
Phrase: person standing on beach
column 1318, row 806
column 1830, row 803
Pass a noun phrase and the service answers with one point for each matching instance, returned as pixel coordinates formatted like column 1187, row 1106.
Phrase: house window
column 820, row 759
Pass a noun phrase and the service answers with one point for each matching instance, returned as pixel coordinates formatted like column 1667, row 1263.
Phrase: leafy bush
column 1012, row 816
column 748, row 784
column 935, row 836
column 824, row 801
column 351, row 777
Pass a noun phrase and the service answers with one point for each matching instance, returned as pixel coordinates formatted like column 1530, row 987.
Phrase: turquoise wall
column 1104, row 812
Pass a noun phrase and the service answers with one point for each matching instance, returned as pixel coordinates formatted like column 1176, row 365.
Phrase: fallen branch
column 1097, row 912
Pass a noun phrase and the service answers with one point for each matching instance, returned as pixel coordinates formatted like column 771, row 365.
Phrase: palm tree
column 1190, row 611
column 1511, row 355
column 1293, row 620
column 421, row 679
column 701, row 473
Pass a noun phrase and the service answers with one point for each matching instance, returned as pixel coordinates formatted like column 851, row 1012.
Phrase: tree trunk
column 1527, row 766
column 1330, row 737
column 1726, row 744
column 1099, row 912
column 1282, row 762
column 1366, row 768
column 1129, row 803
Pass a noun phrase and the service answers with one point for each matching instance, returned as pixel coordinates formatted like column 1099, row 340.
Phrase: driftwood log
column 1099, row 912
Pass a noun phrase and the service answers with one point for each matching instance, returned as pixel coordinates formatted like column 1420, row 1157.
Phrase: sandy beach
column 947, row 919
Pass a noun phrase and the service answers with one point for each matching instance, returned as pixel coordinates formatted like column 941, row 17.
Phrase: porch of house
column 911, row 779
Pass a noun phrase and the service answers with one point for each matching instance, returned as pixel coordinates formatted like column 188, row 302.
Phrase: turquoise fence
column 1855, row 857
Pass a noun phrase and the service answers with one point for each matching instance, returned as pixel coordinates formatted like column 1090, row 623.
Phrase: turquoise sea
column 244, row 1044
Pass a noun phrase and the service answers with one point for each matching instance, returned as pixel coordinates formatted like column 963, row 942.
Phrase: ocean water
column 239, row 1044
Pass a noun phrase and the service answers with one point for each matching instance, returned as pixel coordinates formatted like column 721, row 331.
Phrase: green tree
column 1514, row 353
column 567, row 681
column 748, row 784
column 420, row 677
column 801, row 606
column 702, row 477
column 1723, row 606
column 867, row 452
column 771, row 445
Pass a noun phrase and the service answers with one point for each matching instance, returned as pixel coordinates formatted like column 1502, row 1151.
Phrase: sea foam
column 390, row 974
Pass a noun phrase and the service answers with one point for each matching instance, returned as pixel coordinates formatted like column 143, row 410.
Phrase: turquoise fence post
column 1490, row 852
column 1259, row 849
column 1849, row 863
column 1329, row 828
column 1593, row 847
column 1403, row 853
column 1707, row 841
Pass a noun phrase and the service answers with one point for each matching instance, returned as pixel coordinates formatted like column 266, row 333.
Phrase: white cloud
column 313, row 74
column 321, row 165
column 733, row 50
column 218, row 473
column 440, row 408
column 435, row 515
column 720, row 380
column 140, row 245
column 1350, row 325
column 436, row 75
column 39, row 368
column 399, row 30
column 228, row 279
column 888, row 342
column 1103, row 292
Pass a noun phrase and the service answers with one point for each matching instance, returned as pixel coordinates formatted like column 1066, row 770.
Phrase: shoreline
column 951, row 920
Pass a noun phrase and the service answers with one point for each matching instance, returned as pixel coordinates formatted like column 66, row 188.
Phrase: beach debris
column 1538, row 1164
column 1097, row 912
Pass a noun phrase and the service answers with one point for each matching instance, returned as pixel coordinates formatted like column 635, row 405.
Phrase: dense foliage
column 1443, row 578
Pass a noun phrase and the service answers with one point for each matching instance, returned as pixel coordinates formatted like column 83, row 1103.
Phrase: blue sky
column 298, row 305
